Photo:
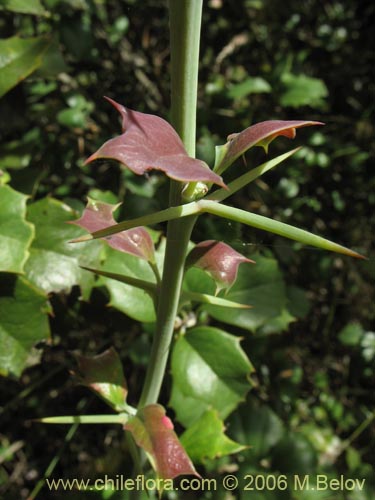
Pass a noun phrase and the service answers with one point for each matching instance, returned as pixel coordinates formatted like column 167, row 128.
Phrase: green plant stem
column 185, row 23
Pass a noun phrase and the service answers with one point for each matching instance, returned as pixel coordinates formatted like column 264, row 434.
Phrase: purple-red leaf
column 99, row 215
column 104, row 375
column 153, row 431
column 150, row 143
column 260, row 134
column 219, row 260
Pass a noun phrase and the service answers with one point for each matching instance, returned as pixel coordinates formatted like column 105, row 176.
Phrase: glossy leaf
column 99, row 215
column 206, row 439
column 153, row 432
column 23, row 322
column 104, row 375
column 260, row 134
column 219, row 260
column 210, row 370
column 16, row 233
column 19, row 58
column 263, row 287
column 54, row 264
column 150, row 143
column 23, row 6
column 128, row 298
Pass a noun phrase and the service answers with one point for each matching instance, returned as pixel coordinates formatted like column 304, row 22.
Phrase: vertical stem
column 185, row 23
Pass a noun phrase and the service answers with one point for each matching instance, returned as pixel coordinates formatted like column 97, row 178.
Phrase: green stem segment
column 185, row 24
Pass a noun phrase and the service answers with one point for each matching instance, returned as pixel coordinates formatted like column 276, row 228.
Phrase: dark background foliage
column 259, row 60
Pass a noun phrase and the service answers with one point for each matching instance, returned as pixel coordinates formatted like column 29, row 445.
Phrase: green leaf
column 153, row 432
column 131, row 300
column 54, row 264
column 252, row 85
column 23, row 322
column 210, row 370
column 351, row 334
column 19, row 58
column 205, row 439
column 258, row 426
column 15, row 233
column 302, row 90
column 104, row 375
column 260, row 286
column 23, row 6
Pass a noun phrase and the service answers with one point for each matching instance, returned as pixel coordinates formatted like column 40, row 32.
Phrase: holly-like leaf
column 54, row 264
column 210, row 370
column 104, row 375
column 15, row 233
column 153, row 432
column 205, row 439
column 23, row 322
column 219, row 260
column 99, row 215
column 260, row 134
column 150, row 143
column 127, row 297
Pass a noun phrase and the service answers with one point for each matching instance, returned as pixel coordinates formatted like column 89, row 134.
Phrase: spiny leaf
column 210, row 370
column 53, row 265
column 153, row 431
column 23, row 323
column 150, row 143
column 219, row 260
column 99, row 215
column 260, row 134
column 205, row 439
column 104, row 375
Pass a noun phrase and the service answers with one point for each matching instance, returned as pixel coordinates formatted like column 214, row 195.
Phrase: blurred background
column 312, row 404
